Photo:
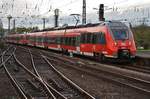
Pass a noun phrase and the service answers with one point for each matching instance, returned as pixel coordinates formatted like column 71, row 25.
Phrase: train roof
column 101, row 23
column 70, row 27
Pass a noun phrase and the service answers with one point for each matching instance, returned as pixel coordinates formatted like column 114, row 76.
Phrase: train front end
column 122, row 45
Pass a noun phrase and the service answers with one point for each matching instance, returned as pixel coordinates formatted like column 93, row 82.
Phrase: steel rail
column 35, row 76
column 36, row 72
column 14, row 83
column 83, row 92
column 116, row 73
column 107, row 78
column 2, row 55
column 129, row 85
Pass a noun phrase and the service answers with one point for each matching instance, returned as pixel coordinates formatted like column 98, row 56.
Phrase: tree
column 142, row 36
column 1, row 32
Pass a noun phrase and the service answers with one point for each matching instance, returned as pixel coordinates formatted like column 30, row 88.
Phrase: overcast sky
column 46, row 7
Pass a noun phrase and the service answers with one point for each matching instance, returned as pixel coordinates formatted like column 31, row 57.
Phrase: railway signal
column 43, row 23
column 56, row 11
column 101, row 12
column 84, row 12
column 9, row 18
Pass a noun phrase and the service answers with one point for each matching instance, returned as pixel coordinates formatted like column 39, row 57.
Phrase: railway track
column 13, row 81
column 138, row 68
column 129, row 81
column 42, row 86
column 142, row 69
column 21, row 81
column 59, row 85
column 140, row 85
column 24, row 84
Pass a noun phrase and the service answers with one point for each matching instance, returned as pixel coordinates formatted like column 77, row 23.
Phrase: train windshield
column 119, row 30
column 120, row 34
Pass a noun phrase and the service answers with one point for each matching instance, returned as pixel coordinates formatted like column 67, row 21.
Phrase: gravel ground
column 100, row 88
column 7, row 91
column 145, row 54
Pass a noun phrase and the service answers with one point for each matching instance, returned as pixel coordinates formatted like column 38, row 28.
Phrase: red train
column 107, row 39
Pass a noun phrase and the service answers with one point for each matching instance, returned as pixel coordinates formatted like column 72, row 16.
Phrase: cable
column 71, row 2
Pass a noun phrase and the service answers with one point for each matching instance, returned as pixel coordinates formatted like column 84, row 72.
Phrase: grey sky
column 31, row 11
column 46, row 7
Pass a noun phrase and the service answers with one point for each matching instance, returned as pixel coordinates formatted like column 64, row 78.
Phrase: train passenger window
column 98, row 38
column 45, row 40
column 58, row 40
column 94, row 38
column 63, row 40
column 39, row 39
column 52, row 40
column 88, row 38
column 32, row 39
column 83, row 38
column 70, row 43
column 102, row 39
column 77, row 40
column 66, row 41
column 74, row 41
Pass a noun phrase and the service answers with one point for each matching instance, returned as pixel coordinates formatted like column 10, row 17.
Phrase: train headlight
column 129, row 43
column 115, row 43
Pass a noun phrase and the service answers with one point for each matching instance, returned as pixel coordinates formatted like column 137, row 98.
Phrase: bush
column 142, row 36
column 1, row 44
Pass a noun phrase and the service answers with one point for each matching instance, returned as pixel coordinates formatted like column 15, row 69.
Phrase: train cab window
column 120, row 34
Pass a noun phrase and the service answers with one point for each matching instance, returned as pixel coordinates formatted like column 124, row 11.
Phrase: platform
column 143, row 54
